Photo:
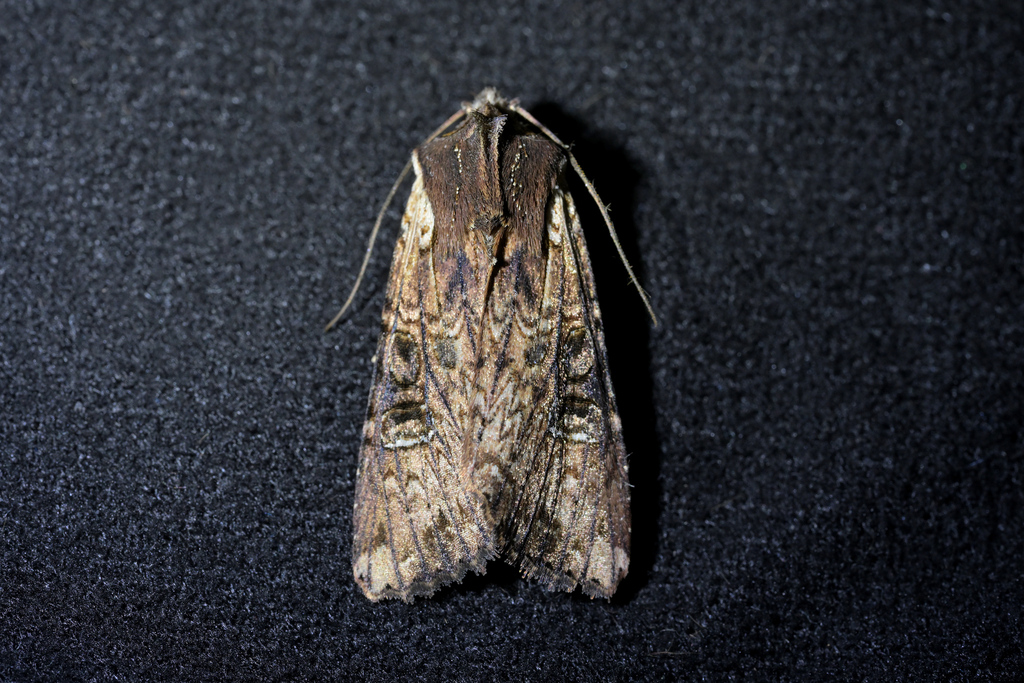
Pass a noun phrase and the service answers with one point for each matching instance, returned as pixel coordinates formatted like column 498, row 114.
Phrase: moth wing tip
column 422, row 586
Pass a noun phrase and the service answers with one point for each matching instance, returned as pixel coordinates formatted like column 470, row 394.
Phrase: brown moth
column 492, row 430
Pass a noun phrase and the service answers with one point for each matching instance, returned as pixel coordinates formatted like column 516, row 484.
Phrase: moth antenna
column 369, row 246
column 615, row 237
column 380, row 218
column 597, row 200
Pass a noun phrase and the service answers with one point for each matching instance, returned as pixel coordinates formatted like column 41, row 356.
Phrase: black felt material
column 822, row 198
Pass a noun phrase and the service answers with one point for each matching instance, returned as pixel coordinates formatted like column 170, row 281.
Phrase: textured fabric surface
column 822, row 198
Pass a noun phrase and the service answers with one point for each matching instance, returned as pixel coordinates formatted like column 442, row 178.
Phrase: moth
column 492, row 429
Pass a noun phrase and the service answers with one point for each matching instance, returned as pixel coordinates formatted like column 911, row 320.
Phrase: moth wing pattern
column 418, row 523
column 547, row 449
column 492, row 428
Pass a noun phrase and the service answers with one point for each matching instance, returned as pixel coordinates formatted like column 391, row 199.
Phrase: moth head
column 487, row 98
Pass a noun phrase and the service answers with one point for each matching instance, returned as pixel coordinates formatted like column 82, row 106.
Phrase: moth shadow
column 626, row 323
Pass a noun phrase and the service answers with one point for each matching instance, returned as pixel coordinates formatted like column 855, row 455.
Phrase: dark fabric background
column 822, row 197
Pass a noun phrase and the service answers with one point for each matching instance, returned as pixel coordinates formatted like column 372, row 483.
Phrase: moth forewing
column 548, row 454
column 417, row 523
column 492, row 429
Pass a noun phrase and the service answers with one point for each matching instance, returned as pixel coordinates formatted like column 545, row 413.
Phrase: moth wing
column 547, row 451
column 418, row 523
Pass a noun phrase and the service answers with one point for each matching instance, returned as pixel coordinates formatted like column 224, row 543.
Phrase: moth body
column 492, row 429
